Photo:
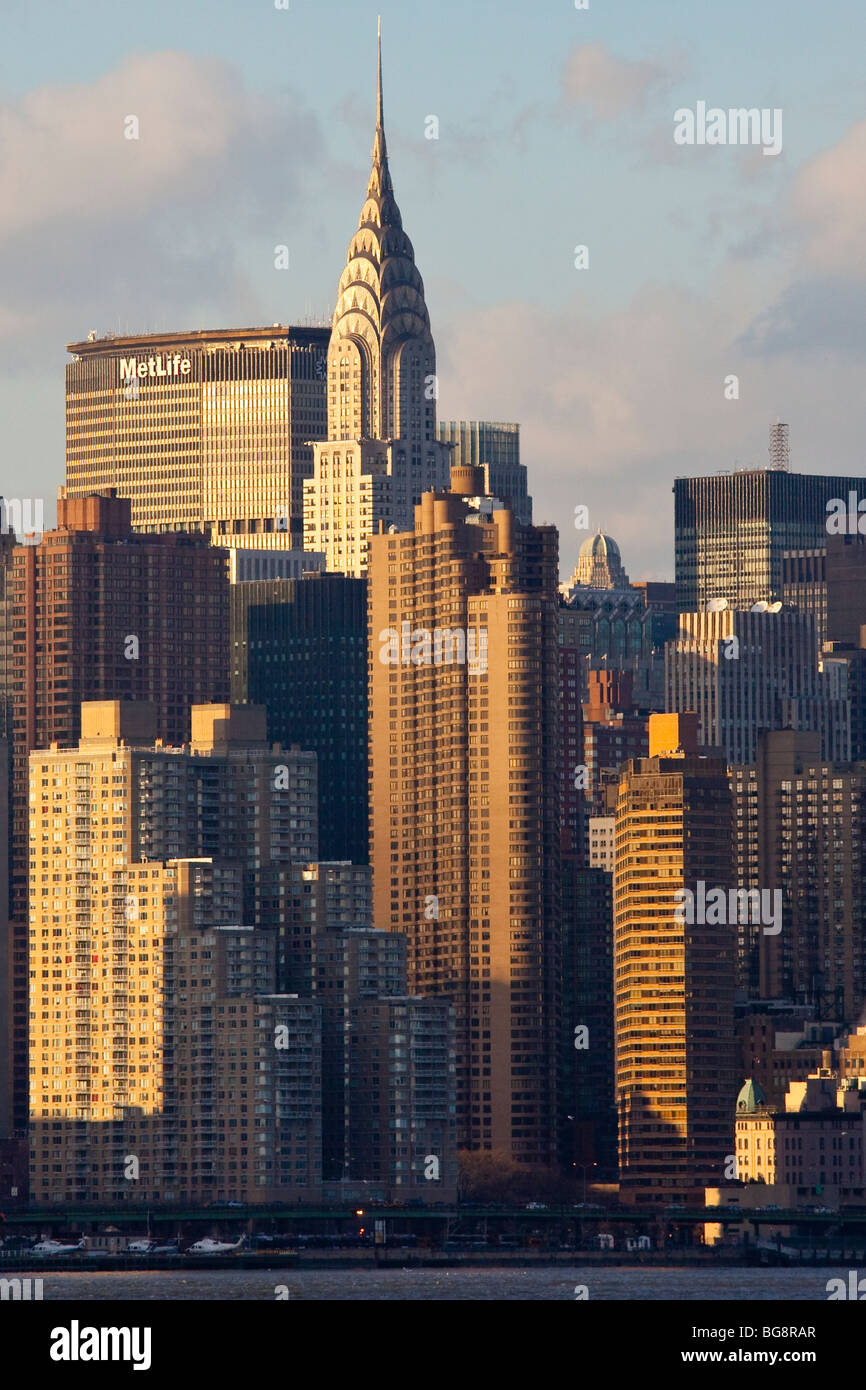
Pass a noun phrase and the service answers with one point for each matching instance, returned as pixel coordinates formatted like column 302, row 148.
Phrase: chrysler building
column 382, row 450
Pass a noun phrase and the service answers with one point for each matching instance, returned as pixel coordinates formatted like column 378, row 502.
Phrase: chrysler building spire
column 382, row 385
column 380, row 123
column 381, row 358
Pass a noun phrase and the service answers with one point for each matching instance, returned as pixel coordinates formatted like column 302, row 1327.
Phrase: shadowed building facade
column 96, row 611
column 299, row 648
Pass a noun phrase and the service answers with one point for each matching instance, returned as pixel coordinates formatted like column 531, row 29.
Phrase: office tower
column 465, row 763
column 846, row 589
column 495, row 447
column 201, row 431
column 731, row 531
column 299, row 648
column 589, row 1128
column 382, row 451
column 673, row 967
column 248, row 564
column 743, row 672
column 164, row 1066
column 804, row 585
column 97, row 611
column 800, row 825
column 599, row 565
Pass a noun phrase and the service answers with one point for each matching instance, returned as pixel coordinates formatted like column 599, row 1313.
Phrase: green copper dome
column 750, row 1097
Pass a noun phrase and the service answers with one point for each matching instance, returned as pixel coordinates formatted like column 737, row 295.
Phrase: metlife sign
column 159, row 365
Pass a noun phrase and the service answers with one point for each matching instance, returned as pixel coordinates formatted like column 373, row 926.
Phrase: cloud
column 96, row 227
column 829, row 202
column 614, row 406
column 821, row 226
column 608, row 86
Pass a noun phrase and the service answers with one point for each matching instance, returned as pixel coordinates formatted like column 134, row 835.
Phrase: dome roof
column 599, row 546
column 750, row 1097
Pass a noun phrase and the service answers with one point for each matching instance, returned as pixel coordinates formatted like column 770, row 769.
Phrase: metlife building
column 204, row 431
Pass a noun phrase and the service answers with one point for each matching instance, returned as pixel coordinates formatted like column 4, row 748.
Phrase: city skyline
column 433, row 743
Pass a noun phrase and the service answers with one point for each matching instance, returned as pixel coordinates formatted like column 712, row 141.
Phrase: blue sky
column 555, row 129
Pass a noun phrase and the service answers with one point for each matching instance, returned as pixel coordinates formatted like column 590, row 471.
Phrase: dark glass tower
column 299, row 647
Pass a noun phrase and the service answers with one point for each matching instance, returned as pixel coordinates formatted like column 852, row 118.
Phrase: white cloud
column 595, row 78
column 96, row 228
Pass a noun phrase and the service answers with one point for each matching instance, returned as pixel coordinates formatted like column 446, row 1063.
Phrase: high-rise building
column 381, row 1119
column 589, row 1117
column 165, row 1068
column 673, row 967
column 109, row 819
column 299, row 648
column 95, row 611
column 382, row 449
column 401, row 1088
column 743, row 672
column 800, row 824
column 731, row 531
column 846, row 589
column 494, row 447
column 201, row 431
column 465, row 795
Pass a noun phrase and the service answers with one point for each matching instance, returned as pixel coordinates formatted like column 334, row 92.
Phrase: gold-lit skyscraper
column 204, row 431
column 464, row 765
column 673, row 979
column 155, row 1070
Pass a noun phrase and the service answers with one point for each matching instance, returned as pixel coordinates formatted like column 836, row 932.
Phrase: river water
column 425, row 1285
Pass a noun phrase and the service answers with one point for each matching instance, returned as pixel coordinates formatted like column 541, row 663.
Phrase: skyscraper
column 673, row 970
column 464, row 795
column 299, row 648
column 800, row 824
column 97, row 611
column 731, row 531
column 201, row 431
column 382, row 450
column 743, row 672
column 495, row 447
column 117, row 990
